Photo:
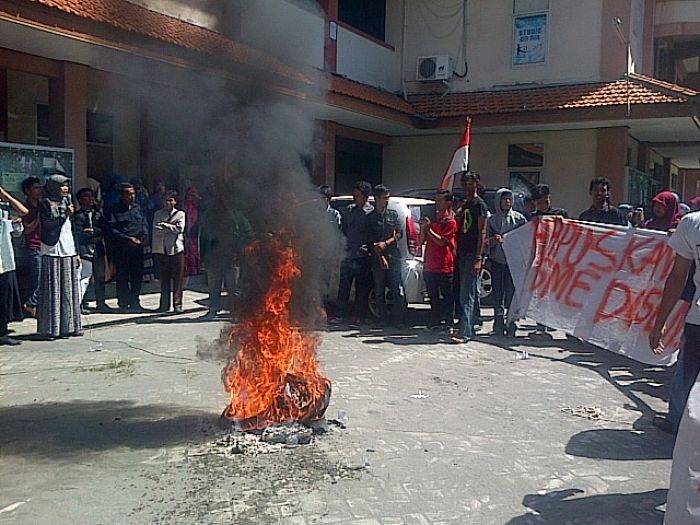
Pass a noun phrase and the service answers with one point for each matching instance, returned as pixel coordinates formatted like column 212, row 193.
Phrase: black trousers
column 358, row 270
column 97, row 281
column 439, row 287
column 389, row 278
column 503, row 291
column 129, row 264
column 172, row 272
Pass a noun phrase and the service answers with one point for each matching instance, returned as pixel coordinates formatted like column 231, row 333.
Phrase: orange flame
column 275, row 378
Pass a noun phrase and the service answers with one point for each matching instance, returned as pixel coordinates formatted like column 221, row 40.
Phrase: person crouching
column 505, row 219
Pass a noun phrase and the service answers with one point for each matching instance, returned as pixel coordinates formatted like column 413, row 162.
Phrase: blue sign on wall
column 529, row 39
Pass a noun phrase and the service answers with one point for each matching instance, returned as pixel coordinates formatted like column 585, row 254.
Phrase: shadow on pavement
column 620, row 445
column 631, row 379
column 562, row 508
column 55, row 430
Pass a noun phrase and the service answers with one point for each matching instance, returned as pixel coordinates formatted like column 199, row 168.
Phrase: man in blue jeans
column 685, row 241
column 471, row 237
column 33, row 190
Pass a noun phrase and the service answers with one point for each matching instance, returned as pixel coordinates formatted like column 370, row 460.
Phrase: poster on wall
column 529, row 39
column 19, row 161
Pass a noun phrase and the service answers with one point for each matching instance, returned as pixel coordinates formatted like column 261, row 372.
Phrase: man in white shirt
column 168, row 247
column 685, row 241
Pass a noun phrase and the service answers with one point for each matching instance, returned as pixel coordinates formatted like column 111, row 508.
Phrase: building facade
column 559, row 91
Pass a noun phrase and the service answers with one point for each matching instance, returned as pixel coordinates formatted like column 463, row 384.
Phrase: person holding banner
column 543, row 207
column 10, row 304
column 601, row 211
column 666, row 210
column 505, row 220
column 471, row 239
column 685, row 242
column 543, row 203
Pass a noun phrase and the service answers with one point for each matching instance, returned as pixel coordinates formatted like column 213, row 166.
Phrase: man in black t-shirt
column 600, row 210
column 543, row 203
column 471, row 236
column 356, row 264
column 385, row 228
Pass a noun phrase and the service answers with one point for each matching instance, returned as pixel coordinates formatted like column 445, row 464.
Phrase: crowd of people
column 71, row 250
column 463, row 232
column 460, row 236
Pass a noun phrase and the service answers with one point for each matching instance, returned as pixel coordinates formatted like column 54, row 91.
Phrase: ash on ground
column 270, row 440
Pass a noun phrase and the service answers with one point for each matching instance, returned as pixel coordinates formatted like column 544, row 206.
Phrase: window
column 525, row 163
column 99, row 128
column 529, row 31
column 525, row 155
column 42, row 123
column 369, row 16
column 356, row 160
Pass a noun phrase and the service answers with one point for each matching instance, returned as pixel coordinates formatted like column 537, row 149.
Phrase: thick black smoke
column 256, row 130
column 262, row 141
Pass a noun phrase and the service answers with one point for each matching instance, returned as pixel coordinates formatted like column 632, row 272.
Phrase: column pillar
column 3, row 105
column 611, row 160
column 331, row 44
column 68, row 104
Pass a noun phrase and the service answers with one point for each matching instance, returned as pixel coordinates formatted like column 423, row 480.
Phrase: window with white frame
column 525, row 163
column 530, row 26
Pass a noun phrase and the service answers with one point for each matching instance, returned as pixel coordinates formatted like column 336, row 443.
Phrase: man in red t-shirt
column 439, row 261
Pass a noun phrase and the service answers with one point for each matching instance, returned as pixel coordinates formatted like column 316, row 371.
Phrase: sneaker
column 178, row 309
column 29, row 309
column 664, row 425
column 6, row 340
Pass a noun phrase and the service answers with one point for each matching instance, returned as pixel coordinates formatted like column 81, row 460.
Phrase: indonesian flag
column 460, row 159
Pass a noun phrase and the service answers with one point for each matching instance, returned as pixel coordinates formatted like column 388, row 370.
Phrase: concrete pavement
column 437, row 434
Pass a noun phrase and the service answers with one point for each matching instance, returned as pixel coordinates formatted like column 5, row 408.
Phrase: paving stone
column 83, row 440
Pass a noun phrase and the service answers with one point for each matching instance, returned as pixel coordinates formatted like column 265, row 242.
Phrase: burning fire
column 275, row 378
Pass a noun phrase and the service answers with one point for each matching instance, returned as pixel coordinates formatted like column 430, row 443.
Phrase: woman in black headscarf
column 58, row 311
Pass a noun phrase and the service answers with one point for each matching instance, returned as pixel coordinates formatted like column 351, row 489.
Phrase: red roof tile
column 640, row 90
column 351, row 88
column 136, row 19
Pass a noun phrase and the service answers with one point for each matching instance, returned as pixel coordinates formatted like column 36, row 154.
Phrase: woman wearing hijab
column 193, row 263
column 666, row 212
column 58, row 311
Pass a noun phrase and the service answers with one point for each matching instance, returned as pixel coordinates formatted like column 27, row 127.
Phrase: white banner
column 600, row 283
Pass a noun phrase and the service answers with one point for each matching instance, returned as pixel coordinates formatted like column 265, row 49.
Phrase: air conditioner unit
column 436, row 67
